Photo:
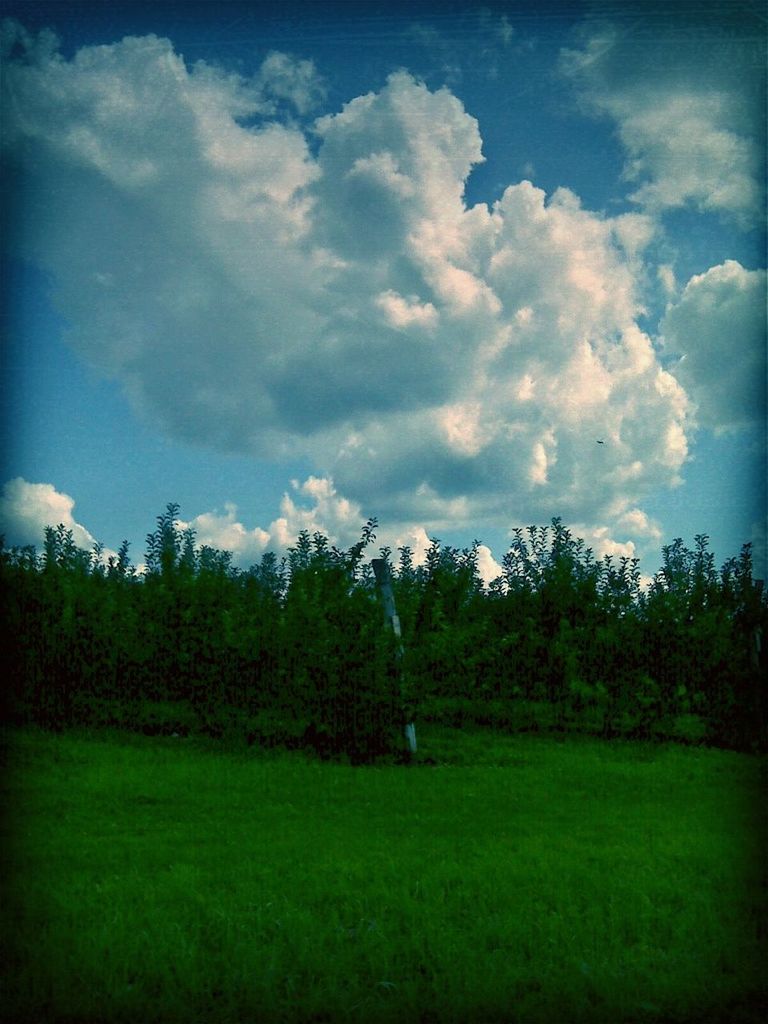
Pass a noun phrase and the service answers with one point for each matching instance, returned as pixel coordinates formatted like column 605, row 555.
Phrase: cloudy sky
column 459, row 268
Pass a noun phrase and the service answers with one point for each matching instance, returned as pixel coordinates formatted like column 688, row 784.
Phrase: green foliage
column 336, row 666
column 161, row 879
column 299, row 645
column 299, row 648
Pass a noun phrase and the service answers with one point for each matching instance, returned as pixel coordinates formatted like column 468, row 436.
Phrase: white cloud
column 487, row 566
column 718, row 328
column 638, row 523
column 633, row 232
column 666, row 276
column 26, row 509
column 688, row 106
column 443, row 364
column 295, row 81
column 330, row 513
column 224, row 532
column 684, row 151
column 628, row 533
column 314, row 506
column 403, row 313
column 417, row 539
column 599, row 539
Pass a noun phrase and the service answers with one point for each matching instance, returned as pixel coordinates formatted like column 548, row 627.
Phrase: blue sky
column 293, row 266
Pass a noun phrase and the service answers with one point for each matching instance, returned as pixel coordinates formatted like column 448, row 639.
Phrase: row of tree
column 296, row 651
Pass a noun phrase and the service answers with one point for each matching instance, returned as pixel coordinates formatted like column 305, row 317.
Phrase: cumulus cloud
column 637, row 530
column 442, row 363
column 718, row 329
column 487, row 566
column 224, row 532
column 628, row 533
column 314, row 505
column 294, row 81
column 26, row 509
column 685, row 93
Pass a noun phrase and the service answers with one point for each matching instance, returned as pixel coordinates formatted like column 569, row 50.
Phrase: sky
column 462, row 268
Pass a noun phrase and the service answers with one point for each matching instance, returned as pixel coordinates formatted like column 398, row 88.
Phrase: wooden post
column 384, row 581
column 757, row 646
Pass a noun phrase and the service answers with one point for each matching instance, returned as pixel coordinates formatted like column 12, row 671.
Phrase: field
column 518, row 879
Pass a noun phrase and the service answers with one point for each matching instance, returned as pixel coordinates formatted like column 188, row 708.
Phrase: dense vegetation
column 295, row 652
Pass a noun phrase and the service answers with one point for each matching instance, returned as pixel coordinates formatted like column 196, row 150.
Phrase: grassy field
column 517, row 879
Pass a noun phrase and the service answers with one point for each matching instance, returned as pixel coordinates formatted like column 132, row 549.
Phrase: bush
column 300, row 647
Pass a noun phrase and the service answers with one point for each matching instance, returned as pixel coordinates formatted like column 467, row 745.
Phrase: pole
column 384, row 581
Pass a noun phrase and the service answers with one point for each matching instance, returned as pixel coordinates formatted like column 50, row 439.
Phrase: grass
column 518, row 879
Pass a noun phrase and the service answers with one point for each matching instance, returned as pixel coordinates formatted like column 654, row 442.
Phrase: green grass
column 518, row 879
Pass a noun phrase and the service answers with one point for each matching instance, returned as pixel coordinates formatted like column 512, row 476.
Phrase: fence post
column 384, row 581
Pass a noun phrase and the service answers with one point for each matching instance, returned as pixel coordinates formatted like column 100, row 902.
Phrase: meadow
column 498, row 878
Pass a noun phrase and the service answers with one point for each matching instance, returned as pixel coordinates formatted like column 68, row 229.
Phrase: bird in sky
column 601, row 442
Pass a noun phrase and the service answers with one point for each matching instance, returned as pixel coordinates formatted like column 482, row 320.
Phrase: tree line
column 295, row 651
